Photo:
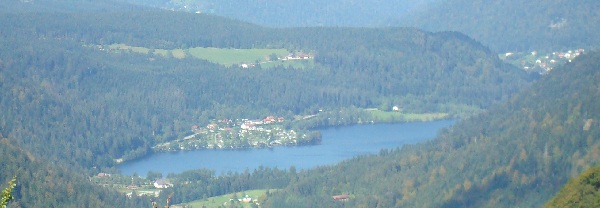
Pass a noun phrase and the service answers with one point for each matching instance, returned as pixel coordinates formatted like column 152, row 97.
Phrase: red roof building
column 343, row 197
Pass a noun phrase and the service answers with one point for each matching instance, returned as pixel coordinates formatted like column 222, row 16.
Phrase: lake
column 338, row 143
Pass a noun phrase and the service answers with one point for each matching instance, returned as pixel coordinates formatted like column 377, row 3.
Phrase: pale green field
column 229, row 57
column 178, row 53
column 162, row 52
column 224, row 56
column 224, row 199
column 394, row 116
column 126, row 47
column 119, row 47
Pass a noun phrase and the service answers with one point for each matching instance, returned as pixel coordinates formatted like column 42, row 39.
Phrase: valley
column 111, row 104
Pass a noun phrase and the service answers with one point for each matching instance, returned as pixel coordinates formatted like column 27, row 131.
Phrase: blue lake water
column 338, row 143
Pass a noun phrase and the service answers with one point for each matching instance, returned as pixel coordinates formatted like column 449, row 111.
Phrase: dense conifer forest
column 42, row 183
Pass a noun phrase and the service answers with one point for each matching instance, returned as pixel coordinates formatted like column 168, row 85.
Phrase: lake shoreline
column 338, row 143
column 313, row 130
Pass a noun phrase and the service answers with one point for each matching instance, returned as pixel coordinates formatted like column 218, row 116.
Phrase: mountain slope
column 41, row 183
column 582, row 191
column 507, row 25
column 513, row 25
column 70, row 6
column 289, row 13
column 517, row 154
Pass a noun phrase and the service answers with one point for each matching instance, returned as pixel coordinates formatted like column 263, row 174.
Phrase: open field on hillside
column 230, row 57
column 393, row 116
column 249, row 58
column 225, row 200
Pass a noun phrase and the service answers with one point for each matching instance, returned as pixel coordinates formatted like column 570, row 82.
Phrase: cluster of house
column 289, row 57
column 298, row 56
column 245, row 124
column 158, row 184
column 252, row 124
column 343, row 197
column 238, row 133
column 246, row 199
column 102, row 175
column 545, row 63
column 558, row 24
column 161, row 184
column 245, row 66
column 147, row 189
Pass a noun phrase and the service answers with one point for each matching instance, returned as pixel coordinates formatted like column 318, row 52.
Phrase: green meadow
column 130, row 48
column 225, row 56
column 229, row 57
column 396, row 116
column 224, row 200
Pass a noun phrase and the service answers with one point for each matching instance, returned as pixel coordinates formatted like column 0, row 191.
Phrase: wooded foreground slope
column 43, row 183
column 583, row 191
column 517, row 154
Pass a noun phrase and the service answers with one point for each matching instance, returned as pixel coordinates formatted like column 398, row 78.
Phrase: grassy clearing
column 298, row 64
column 140, row 50
column 130, row 48
column 229, row 57
column 119, row 47
column 153, row 192
column 394, row 116
column 162, row 52
column 225, row 199
column 224, row 56
column 178, row 53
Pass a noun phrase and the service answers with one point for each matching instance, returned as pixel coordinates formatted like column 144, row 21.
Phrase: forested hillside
column 289, row 13
column 518, row 154
column 94, row 106
column 507, row 25
column 41, row 183
column 46, row 6
column 514, row 25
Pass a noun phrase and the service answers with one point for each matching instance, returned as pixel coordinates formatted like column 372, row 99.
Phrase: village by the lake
column 241, row 133
column 540, row 62
column 272, row 131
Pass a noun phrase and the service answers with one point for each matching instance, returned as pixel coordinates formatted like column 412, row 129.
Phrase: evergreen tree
column 7, row 192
